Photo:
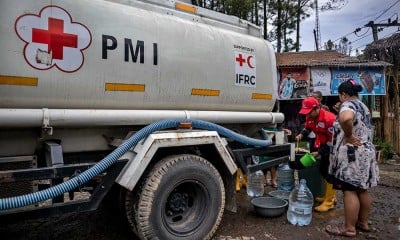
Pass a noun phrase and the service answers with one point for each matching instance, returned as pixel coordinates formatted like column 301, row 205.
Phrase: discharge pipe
column 10, row 117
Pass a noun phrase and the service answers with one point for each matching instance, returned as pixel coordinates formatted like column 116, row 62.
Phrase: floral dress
column 351, row 164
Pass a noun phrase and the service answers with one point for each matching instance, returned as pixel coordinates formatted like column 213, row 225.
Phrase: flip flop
column 338, row 231
column 361, row 228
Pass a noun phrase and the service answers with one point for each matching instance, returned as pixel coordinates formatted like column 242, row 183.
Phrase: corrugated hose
column 101, row 166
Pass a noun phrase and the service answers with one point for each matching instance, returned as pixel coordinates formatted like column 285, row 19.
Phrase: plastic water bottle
column 301, row 202
column 255, row 181
column 285, row 177
column 255, row 184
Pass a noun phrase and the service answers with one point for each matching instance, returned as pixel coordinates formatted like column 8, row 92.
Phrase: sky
column 355, row 14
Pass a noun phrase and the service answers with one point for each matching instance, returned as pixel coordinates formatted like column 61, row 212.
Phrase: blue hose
column 84, row 177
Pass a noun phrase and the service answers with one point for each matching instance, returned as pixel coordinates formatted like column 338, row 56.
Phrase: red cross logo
column 52, row 38
column 55, row 38
column 240, row 59
column 243, row 59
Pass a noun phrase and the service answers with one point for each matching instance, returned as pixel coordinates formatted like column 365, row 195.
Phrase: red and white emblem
column 53, row 39
column 245, row 69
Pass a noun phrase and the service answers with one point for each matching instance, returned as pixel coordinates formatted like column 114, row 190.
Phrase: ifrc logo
column 53, row 39
column 245, row 68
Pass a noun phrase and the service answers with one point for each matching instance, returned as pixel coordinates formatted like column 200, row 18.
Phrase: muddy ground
column 242, row 225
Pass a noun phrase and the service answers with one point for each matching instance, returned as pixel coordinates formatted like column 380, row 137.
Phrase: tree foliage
column 280, row 18
column 239, row 8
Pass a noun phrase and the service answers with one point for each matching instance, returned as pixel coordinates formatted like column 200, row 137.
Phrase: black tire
column 183, row 197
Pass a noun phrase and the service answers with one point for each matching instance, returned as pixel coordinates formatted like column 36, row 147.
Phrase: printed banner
column 372, row 80
column 293, row 84
column 321, row 80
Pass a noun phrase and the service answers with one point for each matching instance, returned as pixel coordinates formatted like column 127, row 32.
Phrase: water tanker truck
column 153, row 104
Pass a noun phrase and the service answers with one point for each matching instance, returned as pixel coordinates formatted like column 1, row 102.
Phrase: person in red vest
column 320, row 121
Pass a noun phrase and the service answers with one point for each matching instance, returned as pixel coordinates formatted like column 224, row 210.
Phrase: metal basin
column 282, row 194
column 269, row 206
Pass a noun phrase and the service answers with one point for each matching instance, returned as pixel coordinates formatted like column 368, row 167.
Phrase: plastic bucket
column 307, row 159
column 315, row 181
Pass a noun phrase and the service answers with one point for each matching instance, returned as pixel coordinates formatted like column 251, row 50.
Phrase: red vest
column 322, row 126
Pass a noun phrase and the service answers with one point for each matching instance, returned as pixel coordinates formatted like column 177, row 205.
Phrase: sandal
column 337, row 231
column 361, row 228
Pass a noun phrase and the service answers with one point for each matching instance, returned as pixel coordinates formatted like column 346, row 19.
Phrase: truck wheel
column 183, row 197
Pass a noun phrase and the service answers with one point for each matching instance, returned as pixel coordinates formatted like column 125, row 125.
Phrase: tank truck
column 151, row 105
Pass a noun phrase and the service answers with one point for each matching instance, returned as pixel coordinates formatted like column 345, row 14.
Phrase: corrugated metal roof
column 323, row 58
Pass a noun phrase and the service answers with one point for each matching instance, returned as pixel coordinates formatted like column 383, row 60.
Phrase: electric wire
column 385, row 11
column 358, row 39
column 390, row 34
column 355, row 31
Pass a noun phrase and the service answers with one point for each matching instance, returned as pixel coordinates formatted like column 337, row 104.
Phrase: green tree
column 239, row 8
column 284, row 16
column 329, row 6
column 284, row 22
column 343, row 45
column 329, row 45
column 255, row 12
column 265, row 22
column 301, row 13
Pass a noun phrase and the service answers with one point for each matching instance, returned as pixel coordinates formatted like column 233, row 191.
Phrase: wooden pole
column 396, row 140
column 385, row 113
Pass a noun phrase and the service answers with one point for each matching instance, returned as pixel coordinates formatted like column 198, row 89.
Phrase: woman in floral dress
column 353, row 168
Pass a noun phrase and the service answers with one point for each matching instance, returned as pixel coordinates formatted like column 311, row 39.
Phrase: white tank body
column 92, row 54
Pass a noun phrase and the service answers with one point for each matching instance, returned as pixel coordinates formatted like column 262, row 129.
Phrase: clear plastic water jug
column 255, row 181
column 285, row 177
column 255, row 184
column 301, row 203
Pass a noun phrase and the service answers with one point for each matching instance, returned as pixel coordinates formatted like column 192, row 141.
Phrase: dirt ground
column 385, row 216
column 242, row 225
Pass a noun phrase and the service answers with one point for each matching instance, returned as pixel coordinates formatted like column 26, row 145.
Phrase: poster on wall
column 372, row 80
column 293, row 83
column 321, row 80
